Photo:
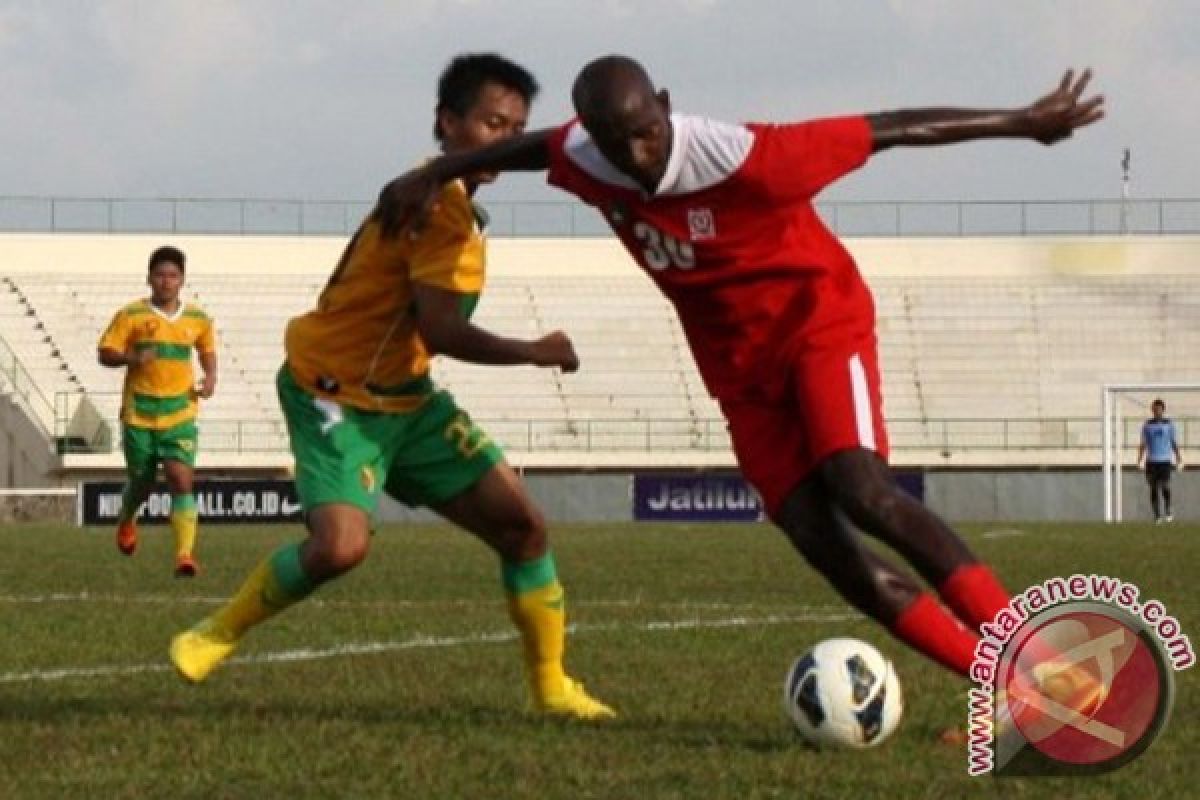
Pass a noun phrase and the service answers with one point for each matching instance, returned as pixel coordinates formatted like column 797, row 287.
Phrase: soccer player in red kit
column 778, row 317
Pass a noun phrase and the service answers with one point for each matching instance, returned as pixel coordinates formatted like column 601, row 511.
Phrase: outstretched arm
column 408, row 198
column 1048, row 120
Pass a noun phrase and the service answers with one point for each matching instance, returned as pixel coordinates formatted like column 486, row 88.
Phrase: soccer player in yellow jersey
column 364, row 416
column 153, row 340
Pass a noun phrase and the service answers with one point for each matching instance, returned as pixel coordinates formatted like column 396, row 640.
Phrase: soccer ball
column 844, row 693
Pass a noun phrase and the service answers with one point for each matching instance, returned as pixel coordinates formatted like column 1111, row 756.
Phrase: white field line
column 425, row 642
column 1003, row 533
column 317, row 602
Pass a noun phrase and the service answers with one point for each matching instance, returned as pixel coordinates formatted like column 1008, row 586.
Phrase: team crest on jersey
column 701, row 224
column 618, row 213
column 366, row 477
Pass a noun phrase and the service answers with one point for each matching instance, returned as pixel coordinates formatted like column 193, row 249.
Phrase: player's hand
column 140, row 356
column 555, row 350
column 1057, row 115
column 406, row 202
column 207, row 388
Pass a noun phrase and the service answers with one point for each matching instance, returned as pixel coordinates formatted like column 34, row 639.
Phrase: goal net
column 1125, row 406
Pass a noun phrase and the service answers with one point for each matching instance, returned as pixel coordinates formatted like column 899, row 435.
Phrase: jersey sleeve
column 206, row 342
column 562, row 173
column 117, row 335
column 439, row 254
column 798, row 160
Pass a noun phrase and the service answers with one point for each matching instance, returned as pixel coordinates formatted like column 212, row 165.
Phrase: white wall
column 25, row 455
column 952, row 256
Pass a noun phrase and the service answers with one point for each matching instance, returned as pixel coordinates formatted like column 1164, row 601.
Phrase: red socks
column 929, row 628
column 949, row 635
column 974, row 594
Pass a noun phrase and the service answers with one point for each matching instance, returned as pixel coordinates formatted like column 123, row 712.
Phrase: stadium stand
column 1007, row 358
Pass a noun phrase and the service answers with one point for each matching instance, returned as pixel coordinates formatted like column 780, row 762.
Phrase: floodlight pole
column 1106, row 461
column 1125, row 159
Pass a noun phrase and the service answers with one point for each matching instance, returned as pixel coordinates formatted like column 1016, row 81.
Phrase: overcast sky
column 325, row 100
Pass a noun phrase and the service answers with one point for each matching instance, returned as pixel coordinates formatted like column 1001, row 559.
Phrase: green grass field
column 403, row 681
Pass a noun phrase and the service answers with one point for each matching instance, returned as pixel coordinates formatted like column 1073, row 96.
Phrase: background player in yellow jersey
column 153, row 340
column 364, row 416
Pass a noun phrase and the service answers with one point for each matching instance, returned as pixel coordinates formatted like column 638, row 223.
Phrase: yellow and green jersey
column 161, row 393
column 360, row 346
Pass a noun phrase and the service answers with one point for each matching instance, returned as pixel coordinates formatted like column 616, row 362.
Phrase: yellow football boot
column 200, row 649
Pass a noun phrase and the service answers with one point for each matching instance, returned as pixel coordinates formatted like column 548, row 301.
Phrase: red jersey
column 731, row 236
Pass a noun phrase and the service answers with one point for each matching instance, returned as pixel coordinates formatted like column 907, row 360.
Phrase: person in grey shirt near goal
column 1159, row 443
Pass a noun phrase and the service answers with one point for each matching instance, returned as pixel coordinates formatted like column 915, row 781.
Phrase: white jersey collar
column 704, row 152
column 168, row 317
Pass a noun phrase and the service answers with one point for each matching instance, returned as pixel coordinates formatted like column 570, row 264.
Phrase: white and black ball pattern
column 843, row 692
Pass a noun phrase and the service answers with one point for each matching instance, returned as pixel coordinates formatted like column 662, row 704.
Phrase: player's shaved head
column 627, row 119
column 609, row 84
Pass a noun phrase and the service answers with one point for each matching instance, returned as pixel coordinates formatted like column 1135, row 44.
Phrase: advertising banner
column 241, row 501
column 716, row 497
column 695, row 497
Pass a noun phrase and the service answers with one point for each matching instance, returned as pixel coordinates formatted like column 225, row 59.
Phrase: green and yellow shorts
column 347, row 455
column 146, row 448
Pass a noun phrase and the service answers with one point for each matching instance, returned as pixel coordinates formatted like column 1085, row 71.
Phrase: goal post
column 1118, row 402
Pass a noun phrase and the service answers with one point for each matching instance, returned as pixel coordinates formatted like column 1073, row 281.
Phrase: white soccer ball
column 844, row 693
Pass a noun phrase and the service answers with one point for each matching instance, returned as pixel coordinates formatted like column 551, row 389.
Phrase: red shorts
column 826, row 399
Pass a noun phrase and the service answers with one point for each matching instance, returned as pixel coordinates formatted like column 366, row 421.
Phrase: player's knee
column 524, row 537
column 179, row 485
column 859, row 481
column 338, row 548
column 872, row 500
column 346, row 553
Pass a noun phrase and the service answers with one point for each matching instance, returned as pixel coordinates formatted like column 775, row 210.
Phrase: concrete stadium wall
column 1049, row 495
column 37, row 505
column 590, row 497
column 25, row 455
column 959, row 496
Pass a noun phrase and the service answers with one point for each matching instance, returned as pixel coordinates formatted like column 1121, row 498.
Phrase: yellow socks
column 535, row 604
column 276, row 583
column 183, row 523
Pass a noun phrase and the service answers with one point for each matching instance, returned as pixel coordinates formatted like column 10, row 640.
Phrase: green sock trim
column 528, row 576
column 183, row 502
column 290, row 579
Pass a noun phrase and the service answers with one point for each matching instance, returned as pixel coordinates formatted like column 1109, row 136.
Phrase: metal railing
column 655, row 435
column 290, row 217
column 16, row 380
